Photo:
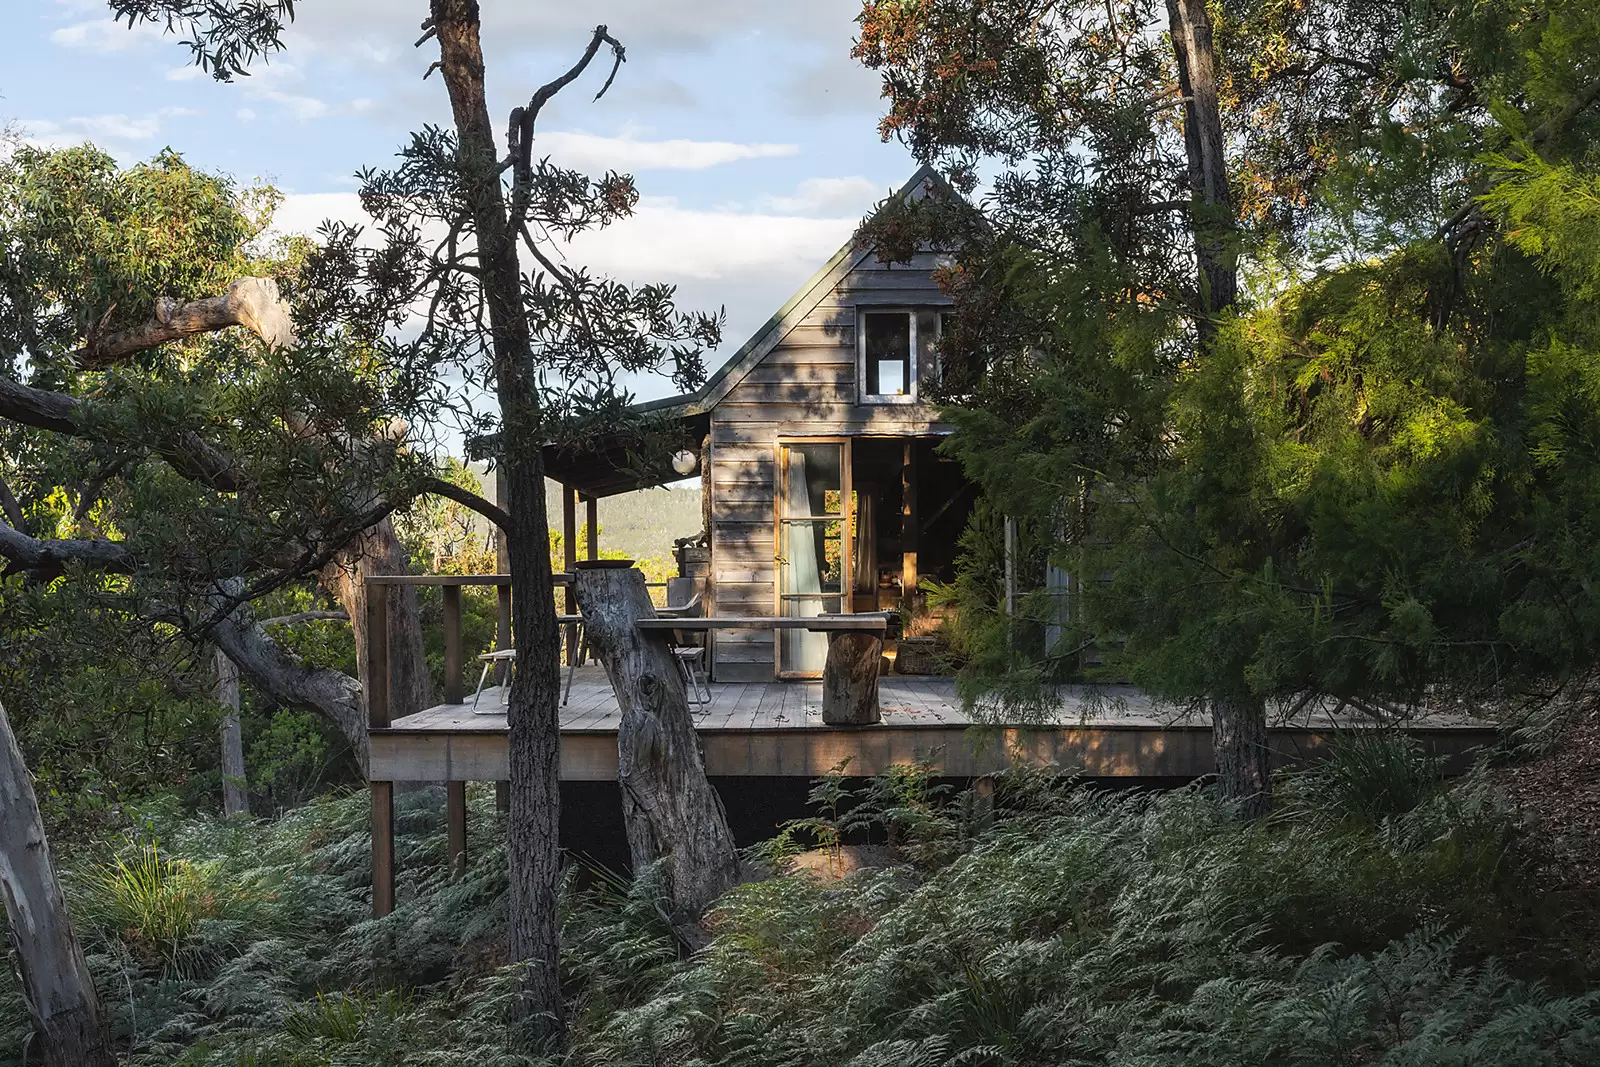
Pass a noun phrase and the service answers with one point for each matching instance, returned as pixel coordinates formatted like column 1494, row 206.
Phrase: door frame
column 847, row 545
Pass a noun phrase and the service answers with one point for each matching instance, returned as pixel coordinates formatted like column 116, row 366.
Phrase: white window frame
column 862, row 311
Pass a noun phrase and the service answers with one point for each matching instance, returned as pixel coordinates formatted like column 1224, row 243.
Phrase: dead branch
column 523, row 119
column 280, row 674
column 253, row 303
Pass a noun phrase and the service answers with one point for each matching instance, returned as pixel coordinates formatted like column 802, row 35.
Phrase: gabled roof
column 604, row 471
column 796, row 308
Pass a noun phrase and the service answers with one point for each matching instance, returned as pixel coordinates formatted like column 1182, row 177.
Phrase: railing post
column 376, row 687
column 452, row 644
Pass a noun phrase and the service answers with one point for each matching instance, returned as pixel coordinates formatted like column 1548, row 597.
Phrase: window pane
column 888, row 341
column 813, row 479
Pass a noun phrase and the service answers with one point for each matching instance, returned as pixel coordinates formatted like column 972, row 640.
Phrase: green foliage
column 1083, row 927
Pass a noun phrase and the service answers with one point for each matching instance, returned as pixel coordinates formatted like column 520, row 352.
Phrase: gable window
column 887, row 357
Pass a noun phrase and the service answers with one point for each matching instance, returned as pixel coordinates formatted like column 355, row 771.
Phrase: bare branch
column 469, row 499
column 253, row 303
column 38, row 408
column 523, row 119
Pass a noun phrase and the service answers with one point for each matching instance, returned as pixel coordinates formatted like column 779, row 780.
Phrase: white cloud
column 302, row 213
column 664, row 241
column 829, row 196
column 245, row 114
column 55, row 133
column 589, row 152
column 105, row 35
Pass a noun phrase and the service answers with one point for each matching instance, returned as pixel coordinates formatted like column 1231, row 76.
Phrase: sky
column 750, row 132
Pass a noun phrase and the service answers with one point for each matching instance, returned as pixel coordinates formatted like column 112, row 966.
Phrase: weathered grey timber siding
column 804, row 387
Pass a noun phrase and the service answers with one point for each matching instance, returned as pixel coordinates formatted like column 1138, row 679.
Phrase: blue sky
column 749, row 130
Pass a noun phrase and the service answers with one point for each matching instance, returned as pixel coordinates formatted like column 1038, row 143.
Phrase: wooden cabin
column 816, row 445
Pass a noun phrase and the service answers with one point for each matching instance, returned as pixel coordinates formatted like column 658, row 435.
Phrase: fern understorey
column 1380, row 916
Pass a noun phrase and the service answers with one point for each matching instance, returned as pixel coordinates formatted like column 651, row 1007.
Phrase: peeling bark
column 57, row 988
column 253, row 303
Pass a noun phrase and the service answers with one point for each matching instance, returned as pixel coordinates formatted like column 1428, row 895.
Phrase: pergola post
column 592, row 541
column 569, row 560
column 376, row 687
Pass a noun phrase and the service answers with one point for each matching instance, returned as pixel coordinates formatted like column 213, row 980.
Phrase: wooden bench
column 850, row 673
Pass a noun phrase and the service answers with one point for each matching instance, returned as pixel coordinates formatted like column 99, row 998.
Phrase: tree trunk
column 850, row 678
column 532, row 842
column 235, row 801
column 1239, row 723
column 378, row 551
column 56, row 986
column 1239, row 743
column 1212, row 216
column 668, row 806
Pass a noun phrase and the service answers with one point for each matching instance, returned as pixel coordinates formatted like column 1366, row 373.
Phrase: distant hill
column 642, row 524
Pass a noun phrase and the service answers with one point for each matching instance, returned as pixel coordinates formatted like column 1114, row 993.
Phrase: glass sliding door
column 813, row 545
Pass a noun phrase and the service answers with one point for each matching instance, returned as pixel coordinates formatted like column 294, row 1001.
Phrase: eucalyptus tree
column 552, row 343
column 169, row 451
column 1140, row 265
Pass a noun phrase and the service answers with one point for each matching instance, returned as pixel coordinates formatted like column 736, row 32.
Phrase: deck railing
column 450, row 586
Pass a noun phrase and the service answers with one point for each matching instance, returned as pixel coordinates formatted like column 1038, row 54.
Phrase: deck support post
column 455, row 810
column 376, row 688
column 983, row 804
column 502, row 797
column 382, row 848
column 850, row 678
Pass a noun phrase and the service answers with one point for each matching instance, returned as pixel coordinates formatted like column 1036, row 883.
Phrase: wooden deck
column 776, row 729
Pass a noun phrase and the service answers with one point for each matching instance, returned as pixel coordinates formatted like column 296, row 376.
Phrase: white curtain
column 802, row 650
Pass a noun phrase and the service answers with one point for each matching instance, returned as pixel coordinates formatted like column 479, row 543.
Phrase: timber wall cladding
column 805, row 386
